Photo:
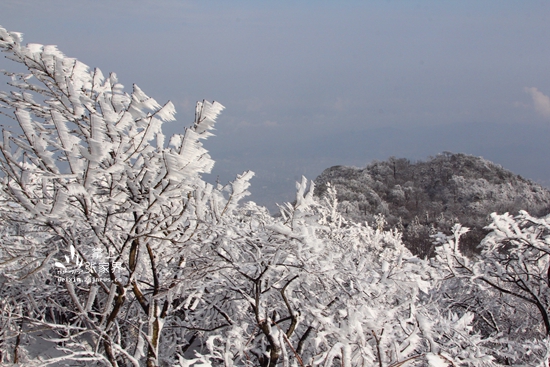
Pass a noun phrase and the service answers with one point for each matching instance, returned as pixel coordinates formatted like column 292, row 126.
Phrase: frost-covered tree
column 310, row 288
column 516, row 258
column 506, row 287
column 106, row 222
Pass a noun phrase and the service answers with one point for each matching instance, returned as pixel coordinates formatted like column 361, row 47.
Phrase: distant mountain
column 425, row 197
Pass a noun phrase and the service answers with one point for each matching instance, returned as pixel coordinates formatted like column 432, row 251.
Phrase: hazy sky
column 312, row 84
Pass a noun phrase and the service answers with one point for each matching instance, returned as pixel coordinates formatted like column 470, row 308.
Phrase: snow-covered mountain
column 422, row 198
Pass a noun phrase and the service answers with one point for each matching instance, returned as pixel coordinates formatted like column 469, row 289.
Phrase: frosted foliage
column 115, row 252
column 506, row 286
column 89, row 173
column 309, row 288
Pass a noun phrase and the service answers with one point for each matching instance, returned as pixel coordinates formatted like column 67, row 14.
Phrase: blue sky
column 311, row 84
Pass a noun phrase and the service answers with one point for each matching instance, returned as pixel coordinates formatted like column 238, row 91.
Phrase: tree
column 310, row 288
column 506, row 286
column 89, row 173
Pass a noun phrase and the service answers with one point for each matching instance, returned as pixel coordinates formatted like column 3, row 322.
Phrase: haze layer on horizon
column 312, row 84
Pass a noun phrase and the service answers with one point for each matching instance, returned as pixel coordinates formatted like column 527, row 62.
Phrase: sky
column 312, row 84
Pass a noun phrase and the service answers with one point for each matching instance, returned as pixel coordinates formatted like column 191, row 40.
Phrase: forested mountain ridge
column 424, row 197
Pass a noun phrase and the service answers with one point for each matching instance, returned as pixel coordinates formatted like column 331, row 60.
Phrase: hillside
column 424, row 197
